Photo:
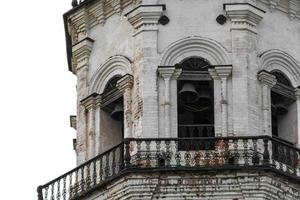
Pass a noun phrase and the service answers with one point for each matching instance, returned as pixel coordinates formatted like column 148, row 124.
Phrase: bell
column 117, row 113
column 188, row 93
column 204, row 95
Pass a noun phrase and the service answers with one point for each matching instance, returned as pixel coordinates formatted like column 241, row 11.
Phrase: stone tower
column 184, row 99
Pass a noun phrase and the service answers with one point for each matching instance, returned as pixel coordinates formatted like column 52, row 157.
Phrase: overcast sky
column 37, row 96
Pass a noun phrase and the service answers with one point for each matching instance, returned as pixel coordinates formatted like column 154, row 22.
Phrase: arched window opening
column 195, row 97
column 111, row 122
column 284, row 110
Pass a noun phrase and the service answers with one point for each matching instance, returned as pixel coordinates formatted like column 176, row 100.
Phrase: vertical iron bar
column 127, row 153
column 113, row 165
column 255, row 158
column 245, row 142
column 64, row 192
column 40, row 193
column 94, row 172
column 266, row 154
column 148, row 154
column 58, row 190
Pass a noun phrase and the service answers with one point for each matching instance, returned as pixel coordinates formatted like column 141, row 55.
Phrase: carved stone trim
column 244, row 16
column 145, row 17
column 266, row 78
column 81, row 54
column 73, row 121
column 91, row 101
column 291, row 7
column 125, row 82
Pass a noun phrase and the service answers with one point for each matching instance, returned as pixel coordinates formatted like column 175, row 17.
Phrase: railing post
column 127, row 153
column 266, row 154
column 40, row 193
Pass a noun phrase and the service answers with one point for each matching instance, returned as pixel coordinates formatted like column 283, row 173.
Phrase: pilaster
column 244, row 19
column 125, row 85
column 144, row 20
column 168, row 73
column 267, row 81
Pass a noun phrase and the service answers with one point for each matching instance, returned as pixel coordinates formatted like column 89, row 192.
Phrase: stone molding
column 219, row 72
column 116, row 65
column 126, row 82
column 73, row 121
column 275, row 59
column 207, row 48
column 297, row 93
column 145, row 17
column 291, row 7
column 266, row 78
column 91, row 101
column 169, row 72
column 228, row 186
column 88, row 15
column 244, row 16
column 81, row 54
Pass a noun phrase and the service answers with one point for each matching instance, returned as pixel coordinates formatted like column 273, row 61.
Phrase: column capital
column 297, row 92
column 266, row 78
column 81, row 52
column 126, row 82
column 91, row 101
column 243, row 16
column 220, row 71
column 145, row 17
column 169, row 72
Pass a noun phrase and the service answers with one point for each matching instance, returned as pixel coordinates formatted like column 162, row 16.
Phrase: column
column 297, row 93
column 125, row 85
column 221, row 74
column 267, row 81
column 89, row 104
column 168, row 73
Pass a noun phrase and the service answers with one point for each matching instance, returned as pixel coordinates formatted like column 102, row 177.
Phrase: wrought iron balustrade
column 147, row 154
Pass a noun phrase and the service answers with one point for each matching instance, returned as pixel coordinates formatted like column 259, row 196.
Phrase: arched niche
column 103, row 82
column 116, row 65
column 178, row 52
column 284, row 104
column 206, row 48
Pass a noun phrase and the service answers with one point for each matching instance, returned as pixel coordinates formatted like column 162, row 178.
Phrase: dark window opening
column 195, row 105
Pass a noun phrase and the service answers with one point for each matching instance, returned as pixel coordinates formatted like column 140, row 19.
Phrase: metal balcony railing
column 163, row 154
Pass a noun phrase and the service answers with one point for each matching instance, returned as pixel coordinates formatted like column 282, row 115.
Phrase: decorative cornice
column 145, row 17
column 266, row 78
column 218, row 72
column 89, row 13
column 291, row 7
column 125, row 82
column 91, row 101
column 244, row 16
column 81, row 19
column 169, row 72
column 81, row 54
column 73, row 121
column 297, row 93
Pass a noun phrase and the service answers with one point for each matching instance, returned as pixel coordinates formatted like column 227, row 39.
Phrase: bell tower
column 184, row 99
